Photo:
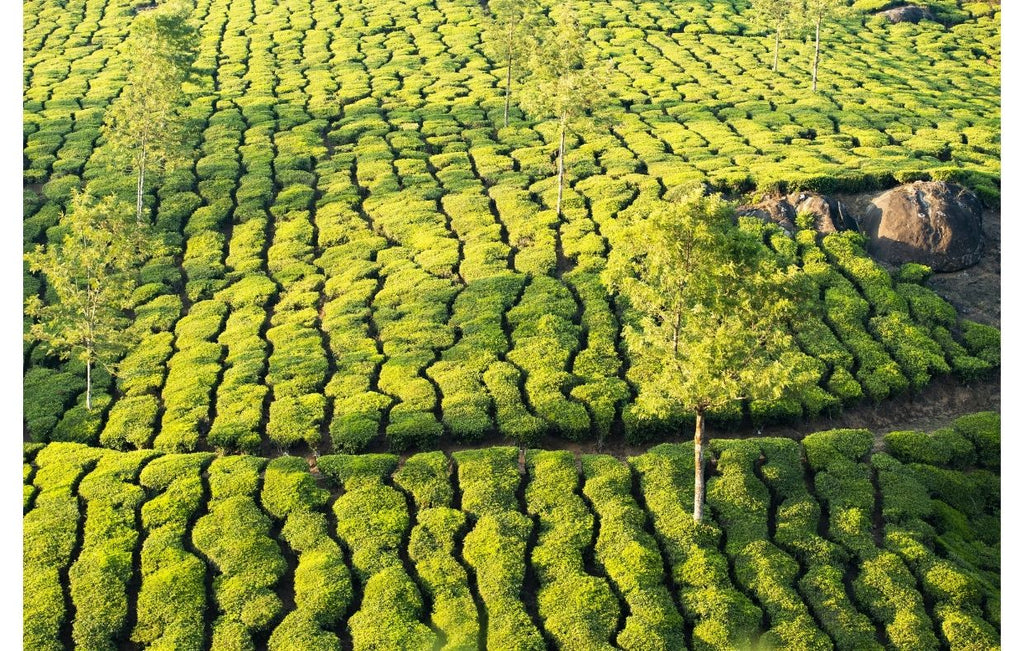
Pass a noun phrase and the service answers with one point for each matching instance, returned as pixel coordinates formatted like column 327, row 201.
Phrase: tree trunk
column 561, row 164
column 698, row 468
column 778, row 35
column 88, row 384
column 508, row 83
column 817, row 46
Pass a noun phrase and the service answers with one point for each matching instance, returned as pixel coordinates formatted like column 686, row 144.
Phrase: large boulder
column 929, row 222
column 907, row 14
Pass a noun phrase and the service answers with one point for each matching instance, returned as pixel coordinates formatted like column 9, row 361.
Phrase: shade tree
column 565, row 80
column 145, row 125
column 93, row 271
column 711, row 306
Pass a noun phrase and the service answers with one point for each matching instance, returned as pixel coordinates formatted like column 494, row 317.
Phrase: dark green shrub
column 982, row 340
column 982, row 429
column 944, row 447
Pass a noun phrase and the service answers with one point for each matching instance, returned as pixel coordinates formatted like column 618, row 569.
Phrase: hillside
column 362, row 256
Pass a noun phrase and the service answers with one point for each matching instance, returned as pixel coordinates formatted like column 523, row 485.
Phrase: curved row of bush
column 323, row 587
column 99, row 578
column 884, row 587
column 432, row 546
column 234, row 536
column 629, row 556
column 578, row 610
column 722, row 616
column 50, row 532
column 596, row 573
column 495, row 548
column 741, row 503
column 373, row 522
column 171, row 604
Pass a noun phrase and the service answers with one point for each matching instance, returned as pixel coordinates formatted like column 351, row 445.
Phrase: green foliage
column 577, row 609
column 917, row 544
column 629, row 556
column 323, row 587
column 724, row 617
column 712, row 304
column 234, row 536
column 982, row 429
column 100, row 575
column 982, row 340
column 944, row 447
column 426, row 477
column 172, row 599
column 93, row 271
column 432, row 546
column 49, row 533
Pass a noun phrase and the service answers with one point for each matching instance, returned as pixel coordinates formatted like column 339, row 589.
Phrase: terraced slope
column 359, row 253
column 824, row 543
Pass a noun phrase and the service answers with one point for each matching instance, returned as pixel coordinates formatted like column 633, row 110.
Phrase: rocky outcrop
column 907, row 14
column 929, row 222
column 829, row 214
column 771, row 209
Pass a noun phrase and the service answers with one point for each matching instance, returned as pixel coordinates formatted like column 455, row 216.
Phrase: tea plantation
column 829, row 542
column 360, row 253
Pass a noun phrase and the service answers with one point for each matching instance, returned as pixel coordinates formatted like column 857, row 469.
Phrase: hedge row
column 796, row 530
column 373, row 521
column 192, row 375
column 171, row 604
column 544, row 338
column 241, row 394
column 578, row 610
column 323, row 587
column 495, row 548
column 349, row 249
column 432, row 546
column 50, row 531
column 411, row 312
column 740, row 503
column 477, row 313
column 629, row 556
column 100, row 576
column 884, row 587
column 722, row 616
column 234, row 536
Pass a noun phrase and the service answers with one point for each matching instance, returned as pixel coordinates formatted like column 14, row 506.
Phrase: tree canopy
column 144, row 126
column 93, row 271
column 710, row 308
column 565, row 79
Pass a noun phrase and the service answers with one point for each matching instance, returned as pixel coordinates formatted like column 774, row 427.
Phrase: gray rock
column 929, row 222
column 907, row 14
column 772, row 209
column 830, row 215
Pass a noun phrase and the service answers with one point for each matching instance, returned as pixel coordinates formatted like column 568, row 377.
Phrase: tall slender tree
column 565, row 80
column 711, row 307
column 777, row 15
column 144, row 125
column 819, row 11
column 93, row 270
column 509, row 37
